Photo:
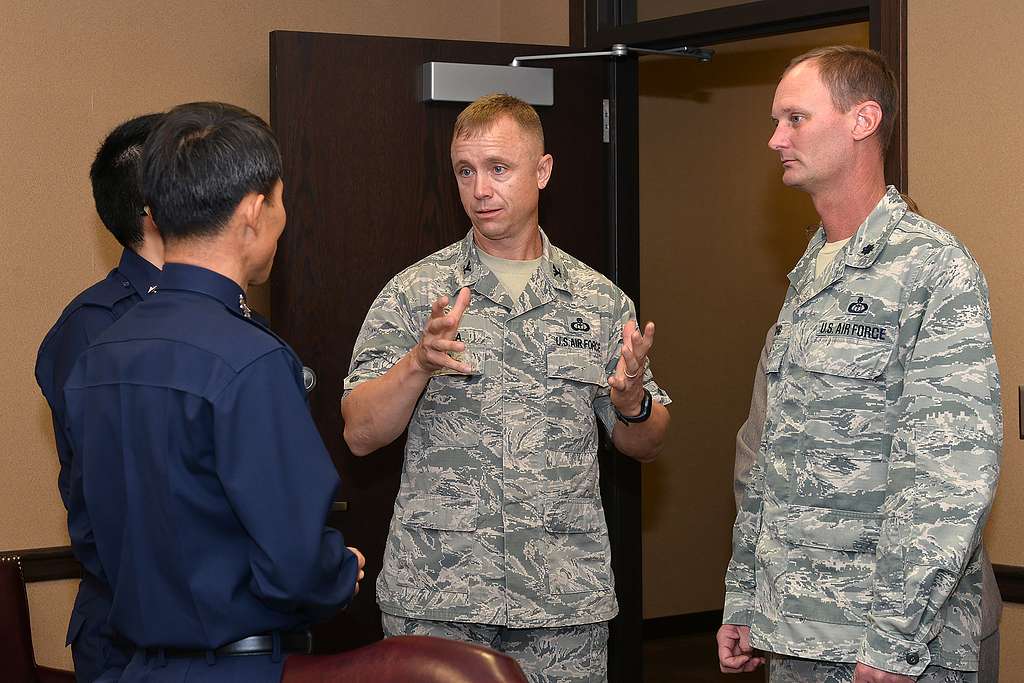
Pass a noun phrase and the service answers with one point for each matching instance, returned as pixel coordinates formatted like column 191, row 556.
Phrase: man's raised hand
column 627, row 383
column 438, row 340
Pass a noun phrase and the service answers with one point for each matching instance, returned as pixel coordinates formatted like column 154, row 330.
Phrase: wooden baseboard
column 682, row 624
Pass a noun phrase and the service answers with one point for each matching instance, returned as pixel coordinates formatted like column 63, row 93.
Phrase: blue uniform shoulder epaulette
column 105, row 293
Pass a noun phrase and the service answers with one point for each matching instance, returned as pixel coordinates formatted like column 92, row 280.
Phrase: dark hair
column 201, row 161
column 114, row 174
column 854, row 75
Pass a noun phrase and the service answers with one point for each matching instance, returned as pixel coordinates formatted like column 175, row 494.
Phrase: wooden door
column 369, row 190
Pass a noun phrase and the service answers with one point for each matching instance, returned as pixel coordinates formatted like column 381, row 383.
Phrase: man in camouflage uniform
column 501, row 353
column 856, row 548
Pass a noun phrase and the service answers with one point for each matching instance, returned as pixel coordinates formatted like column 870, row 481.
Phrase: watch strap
column 645, row 410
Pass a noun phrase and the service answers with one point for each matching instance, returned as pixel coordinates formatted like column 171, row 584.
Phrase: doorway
column 718, row 234
column 726, row 26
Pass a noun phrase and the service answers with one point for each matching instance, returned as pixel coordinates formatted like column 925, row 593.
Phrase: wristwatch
column 645, row 410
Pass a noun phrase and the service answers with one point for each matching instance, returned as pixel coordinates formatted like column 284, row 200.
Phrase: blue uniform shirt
column 88, row 314
column 204, row 479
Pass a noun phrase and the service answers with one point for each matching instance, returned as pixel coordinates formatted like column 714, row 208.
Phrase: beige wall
column 966, row 169
column 966, row 172
column 1011, row 654
column 71, row 71
column 718, row 233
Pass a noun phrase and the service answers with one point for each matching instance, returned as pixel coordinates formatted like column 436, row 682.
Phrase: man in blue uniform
column 118, row 196
column 205, row 483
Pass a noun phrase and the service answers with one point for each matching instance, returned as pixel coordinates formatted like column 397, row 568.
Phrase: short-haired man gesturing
column 501, row 353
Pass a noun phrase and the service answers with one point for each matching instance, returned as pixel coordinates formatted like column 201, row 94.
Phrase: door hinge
column 606, row 121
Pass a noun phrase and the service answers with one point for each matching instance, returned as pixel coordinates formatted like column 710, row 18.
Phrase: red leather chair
column 17, row 658
column 406, row 659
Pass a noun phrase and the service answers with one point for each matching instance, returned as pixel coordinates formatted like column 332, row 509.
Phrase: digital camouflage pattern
column 498, row 519
column 566, row 654
column 793, row 670
column 859, row 535
column 748, row 440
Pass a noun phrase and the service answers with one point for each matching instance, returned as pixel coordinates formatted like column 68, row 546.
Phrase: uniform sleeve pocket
column 442, row 513
column 572, row 516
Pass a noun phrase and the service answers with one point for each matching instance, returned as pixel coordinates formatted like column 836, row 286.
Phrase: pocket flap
column 579, row 367
column 442, row 513
column 833, row 529
column 573, row 516
column 856, row 357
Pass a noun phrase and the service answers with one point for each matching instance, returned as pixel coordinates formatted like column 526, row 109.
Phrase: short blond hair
column 485, row 112
column 854, row 75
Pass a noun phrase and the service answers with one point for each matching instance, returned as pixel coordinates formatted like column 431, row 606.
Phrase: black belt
column 301, row 641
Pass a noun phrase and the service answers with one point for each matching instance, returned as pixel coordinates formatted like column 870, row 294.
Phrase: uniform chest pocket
column 844, row 349
column 841, row 454
column 573, row 382
column 452, row 404
column 451, row 407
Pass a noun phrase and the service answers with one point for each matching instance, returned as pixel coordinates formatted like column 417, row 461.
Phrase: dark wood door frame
column 598, row 24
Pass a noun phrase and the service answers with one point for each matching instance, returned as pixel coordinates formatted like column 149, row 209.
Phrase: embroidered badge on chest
column 581, row 335
column 579, row 325
column 858, row 307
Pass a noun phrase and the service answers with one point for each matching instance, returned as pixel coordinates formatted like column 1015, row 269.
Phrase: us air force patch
column 582, row 343
column 845, row 328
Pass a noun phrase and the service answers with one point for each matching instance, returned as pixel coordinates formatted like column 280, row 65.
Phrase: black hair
column 116, row 186
column 200, row 162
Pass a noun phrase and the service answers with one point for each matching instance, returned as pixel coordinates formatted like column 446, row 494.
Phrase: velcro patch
column 852, row 330
column 581, row 343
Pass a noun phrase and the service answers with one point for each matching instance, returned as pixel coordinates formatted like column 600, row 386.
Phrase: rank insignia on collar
column 152, row 288
column 244, row 307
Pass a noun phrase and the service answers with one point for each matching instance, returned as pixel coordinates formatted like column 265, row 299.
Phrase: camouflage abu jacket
column 498, row 519
column 858, row 538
